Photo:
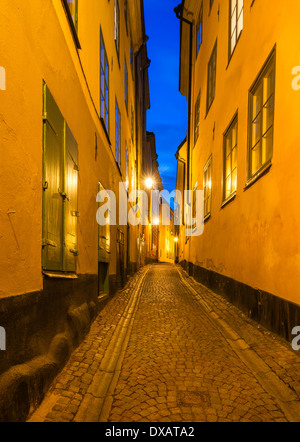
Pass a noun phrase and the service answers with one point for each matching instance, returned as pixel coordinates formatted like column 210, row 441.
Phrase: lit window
column 118, row 135
column 126, row 14
column 199, row 30
column 207, row 177
column 127, row 168
column 117, row 26
column 194, row 211
column 261, row 108
column 104, row 84
column 126, row 84
column 211, row 77
column 132, row 123
column 73, row 8
column 230, row 160
column 197, row 119
column 236, row 21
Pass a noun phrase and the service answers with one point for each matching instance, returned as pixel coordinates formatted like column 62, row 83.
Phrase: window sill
column 262, row 171
column 60, row 275
column 228, row 200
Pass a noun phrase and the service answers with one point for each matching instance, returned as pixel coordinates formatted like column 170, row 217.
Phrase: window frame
column 126, row 85
column 103, row 97
column 118, row 134
column 214, row 55
column 232, row 124
column 73, row 23
column 197, row 119
column 199, row 31
column 270, row 64
column 117, row 27
column 230, row 33
column 207, row 166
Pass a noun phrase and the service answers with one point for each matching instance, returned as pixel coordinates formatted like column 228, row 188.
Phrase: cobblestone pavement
column 167, row 349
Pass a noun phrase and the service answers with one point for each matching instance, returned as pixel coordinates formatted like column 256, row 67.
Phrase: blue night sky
column 167, row 116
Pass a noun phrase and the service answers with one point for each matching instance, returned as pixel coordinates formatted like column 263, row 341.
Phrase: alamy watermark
column 188, row 210
column 2, row 79
column 2, row 339
column 296, row 80
column 296, row 340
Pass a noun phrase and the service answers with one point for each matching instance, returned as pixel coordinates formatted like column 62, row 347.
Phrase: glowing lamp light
column 149, row 183
column 176, row 239
column 156, row 221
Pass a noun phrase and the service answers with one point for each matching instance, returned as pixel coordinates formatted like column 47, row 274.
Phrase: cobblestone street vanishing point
column 166, row 349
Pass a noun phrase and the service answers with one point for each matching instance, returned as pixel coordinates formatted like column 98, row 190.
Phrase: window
column 126, row 14
column 261, row 119
column 104, row 84
column 126, row 84
column 60, row 186
column 132, row 123
column 73, row 8
column 211, row 77
column 118, row 134
column 117, row 26
column 230, row 160
column 236, row 22
column 194, row 210
column 132, row 61
column 207, row 177
column 197, row 119
column 104, row 235
column 127, row 168
column 199, row 31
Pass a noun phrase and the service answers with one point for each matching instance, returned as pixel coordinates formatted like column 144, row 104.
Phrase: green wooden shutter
column 52, row 201
column 71, row 213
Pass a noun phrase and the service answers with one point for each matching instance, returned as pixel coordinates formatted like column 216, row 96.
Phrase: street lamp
column 149, row 183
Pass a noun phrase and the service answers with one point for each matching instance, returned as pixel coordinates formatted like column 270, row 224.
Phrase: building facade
column 236, row 64
column 72, row 124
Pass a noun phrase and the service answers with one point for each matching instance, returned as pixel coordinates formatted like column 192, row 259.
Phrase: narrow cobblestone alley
column 168, row 350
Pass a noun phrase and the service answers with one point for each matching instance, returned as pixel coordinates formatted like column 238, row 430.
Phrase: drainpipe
column 179, row 14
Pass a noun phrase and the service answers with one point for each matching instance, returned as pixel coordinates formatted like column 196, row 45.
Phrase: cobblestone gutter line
column 97, row 403
column 286, row 397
